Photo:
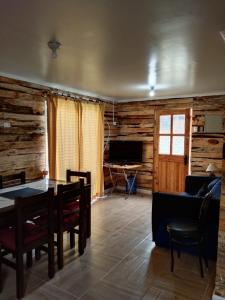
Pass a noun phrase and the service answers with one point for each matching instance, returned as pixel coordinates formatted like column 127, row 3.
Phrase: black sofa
column 169, row 206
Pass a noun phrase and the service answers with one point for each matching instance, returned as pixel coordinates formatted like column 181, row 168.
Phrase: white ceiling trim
column 58, row 86
column 182, row 96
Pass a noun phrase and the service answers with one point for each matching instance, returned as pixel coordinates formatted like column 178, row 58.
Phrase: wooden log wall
column 220, row 268
column 207, row 148
column 136, row 121
column 22, row 145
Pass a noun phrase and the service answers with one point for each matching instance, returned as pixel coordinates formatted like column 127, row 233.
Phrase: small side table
column 125, row 169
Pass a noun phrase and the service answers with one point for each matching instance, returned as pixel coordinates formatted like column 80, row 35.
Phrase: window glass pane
column 179, row 124
column 178, row 145
column 165, row 124
column 164, row 145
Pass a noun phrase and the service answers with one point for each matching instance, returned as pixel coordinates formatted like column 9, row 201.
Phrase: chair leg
column 29, row 259
column 37, row 254
column 178, row 252
column 60, row 250
column 1, row 283
column 205, row 256
column 19, row 276
column 172, row 256
column 51, row 262
column 80, row 245
column 72, row 239
column 200, row 261
column 82, row 235
column 206, row 262
column 88, row 220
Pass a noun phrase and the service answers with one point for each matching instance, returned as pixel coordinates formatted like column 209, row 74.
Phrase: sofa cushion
column 216, row 190
column 212, row 183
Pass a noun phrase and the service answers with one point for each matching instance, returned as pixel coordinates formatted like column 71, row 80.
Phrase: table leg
column 131, row 186
column 112, row 180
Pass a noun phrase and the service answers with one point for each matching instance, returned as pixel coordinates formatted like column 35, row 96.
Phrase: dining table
column 9, row 194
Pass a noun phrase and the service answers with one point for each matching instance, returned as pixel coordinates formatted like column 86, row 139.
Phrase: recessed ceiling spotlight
column 152, row 91
column 54, row 46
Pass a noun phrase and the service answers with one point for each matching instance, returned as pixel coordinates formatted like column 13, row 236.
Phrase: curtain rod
column 71, row 96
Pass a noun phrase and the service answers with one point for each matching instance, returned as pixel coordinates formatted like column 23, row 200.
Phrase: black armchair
column 167, row 207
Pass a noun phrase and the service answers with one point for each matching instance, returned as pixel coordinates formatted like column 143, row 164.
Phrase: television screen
column 125, row 151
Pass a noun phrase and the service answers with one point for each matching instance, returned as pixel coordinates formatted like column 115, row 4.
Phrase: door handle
column 185, row 160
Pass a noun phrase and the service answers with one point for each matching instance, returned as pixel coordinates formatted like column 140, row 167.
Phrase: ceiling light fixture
column 54, row 46
column 152, row 91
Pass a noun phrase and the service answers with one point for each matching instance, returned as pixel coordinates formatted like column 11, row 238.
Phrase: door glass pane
column 165, row 124
column 178, row 145
column 164, row 145
column 179, row 124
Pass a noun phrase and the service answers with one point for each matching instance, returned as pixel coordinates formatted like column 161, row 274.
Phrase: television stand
column 112, row 167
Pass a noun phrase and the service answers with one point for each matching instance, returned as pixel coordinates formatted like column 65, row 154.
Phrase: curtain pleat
column 92, row 135
column 52, row 109
column 76, row 139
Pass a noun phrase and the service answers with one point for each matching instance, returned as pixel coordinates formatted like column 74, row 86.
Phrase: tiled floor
column 120, row 262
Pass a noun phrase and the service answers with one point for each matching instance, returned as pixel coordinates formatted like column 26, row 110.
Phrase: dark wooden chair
column 71, row 217
column 87, row 177
column 25, row 235
column 189, row 233
column 13, row 179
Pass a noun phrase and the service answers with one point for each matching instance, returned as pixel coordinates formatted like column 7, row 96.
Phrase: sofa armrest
column 169, row 206
column 194, row 183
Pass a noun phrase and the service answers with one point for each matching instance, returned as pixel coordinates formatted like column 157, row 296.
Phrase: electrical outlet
column 6, row 125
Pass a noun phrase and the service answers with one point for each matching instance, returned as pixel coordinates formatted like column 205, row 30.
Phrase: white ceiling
column 116, row 48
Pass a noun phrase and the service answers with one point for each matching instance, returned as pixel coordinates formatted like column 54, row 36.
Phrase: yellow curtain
column 92, row 143
column 52, row 109
column 63, row 137
column 76, row 139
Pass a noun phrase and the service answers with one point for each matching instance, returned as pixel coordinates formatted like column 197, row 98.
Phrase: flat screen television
column 125, row 151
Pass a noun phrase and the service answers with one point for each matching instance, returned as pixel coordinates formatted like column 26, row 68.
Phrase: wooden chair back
column 67, row 193
column 85, row 175
column 87, row 191
column 13, row 179
column 30, row 208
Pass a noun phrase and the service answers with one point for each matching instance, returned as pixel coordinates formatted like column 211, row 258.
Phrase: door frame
column 188, row 140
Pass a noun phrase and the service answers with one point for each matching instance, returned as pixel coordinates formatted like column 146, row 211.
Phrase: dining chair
column 189, row 233
column 13, row 179
column 68, row 220
column 25, row 235
column 87, row 189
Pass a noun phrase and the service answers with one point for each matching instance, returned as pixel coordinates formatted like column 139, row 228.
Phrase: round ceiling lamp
column 54, row 46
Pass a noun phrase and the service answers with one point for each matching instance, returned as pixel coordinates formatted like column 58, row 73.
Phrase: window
column 171, row 134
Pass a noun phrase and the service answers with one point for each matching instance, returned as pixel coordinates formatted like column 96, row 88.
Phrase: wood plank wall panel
column 22, row 146
column 220, row 268
column 136, row 122
column 207, row 147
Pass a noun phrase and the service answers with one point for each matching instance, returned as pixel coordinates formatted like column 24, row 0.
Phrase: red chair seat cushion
column 70, row 220
column 32, row 232
column 72, row 206
column 70, row 216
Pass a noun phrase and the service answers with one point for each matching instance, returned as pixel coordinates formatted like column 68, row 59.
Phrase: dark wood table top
column 8, row 195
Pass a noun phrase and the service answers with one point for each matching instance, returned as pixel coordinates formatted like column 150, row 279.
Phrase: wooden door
column 171, row 150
